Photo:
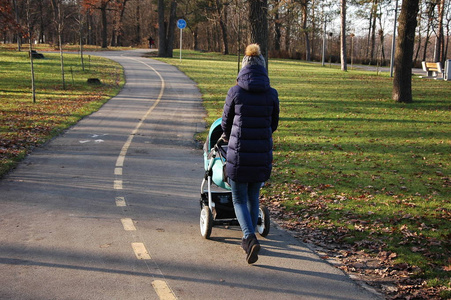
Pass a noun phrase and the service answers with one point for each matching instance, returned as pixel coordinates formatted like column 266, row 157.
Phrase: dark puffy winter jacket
column 251, row 115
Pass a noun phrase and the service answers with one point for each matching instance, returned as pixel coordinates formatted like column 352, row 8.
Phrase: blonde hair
column 253, row 50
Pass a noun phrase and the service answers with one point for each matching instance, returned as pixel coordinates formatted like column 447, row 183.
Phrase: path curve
column 110, row 210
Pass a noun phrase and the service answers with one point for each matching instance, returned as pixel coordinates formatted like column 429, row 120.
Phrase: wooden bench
column 433, row 69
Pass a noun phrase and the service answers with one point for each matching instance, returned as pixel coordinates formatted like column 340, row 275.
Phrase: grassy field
column 24, row 124
column 351, row 163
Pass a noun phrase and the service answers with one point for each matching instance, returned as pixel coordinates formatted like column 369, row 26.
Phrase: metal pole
column 181, row 30
column 393, row 43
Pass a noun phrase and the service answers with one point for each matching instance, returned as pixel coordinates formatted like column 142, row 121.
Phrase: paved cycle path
column 110, row 210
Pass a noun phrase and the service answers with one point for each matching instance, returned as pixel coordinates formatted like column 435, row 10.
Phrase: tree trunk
column 222, row 15
column 195, row 33
column 171, row 28
column 258, row 12
column 161, row 30
column 426, row 42
column 417, row 51
column 30, row 39
column 166, row 31
column 113, row 41
column 120, row 31
column 60, row 45
column 304, row 5
column 277, row 32
column 59, row 30
column 104, row 26
column 18, row 35
column 430, row 19
column 288, row 32
column 368, row 43
column 373, row 30
column 41, row 23
column 314, row 36
column 344, row 65
column 138, row 25
column 439, row 49
column 402, row 81
column 81, row 41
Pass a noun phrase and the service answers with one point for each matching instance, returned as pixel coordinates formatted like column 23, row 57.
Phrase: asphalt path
column 110, row 210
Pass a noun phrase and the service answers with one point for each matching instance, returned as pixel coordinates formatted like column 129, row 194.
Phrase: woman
column 250, row 116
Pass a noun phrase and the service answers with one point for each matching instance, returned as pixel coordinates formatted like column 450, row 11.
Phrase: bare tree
column 102, row 6
column 440, row 45
column 402, row 81
column 18, row 33
column 344, row 66
column 304, row 12
column 258, row 19
column 277, row 25
column 221, row 10
column 30, row 38
column 58, row 18
column 374, row 9
column 166, row 29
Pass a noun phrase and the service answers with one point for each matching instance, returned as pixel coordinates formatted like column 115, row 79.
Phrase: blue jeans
column 245, row 197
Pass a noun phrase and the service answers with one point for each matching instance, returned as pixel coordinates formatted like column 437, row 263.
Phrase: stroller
column 217, row 206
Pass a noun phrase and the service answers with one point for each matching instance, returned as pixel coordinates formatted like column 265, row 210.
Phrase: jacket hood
column 253, row 78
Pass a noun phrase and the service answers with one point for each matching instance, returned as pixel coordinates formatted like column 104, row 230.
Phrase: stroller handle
column 221, row 142
column 220, row 148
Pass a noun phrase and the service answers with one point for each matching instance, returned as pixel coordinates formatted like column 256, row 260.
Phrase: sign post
column 181, row 24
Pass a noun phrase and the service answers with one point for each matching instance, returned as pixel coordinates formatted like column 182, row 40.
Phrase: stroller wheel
column 206, row 222
column 263, row 221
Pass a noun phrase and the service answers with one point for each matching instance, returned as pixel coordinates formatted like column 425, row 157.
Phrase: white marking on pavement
column 163, row 290
column 121, row 157
column 84, row 141
column 120, row 160
column 128, row 224
column 140, row 251
column 120, row 201
column 118, row 171
column 118, row 184
column 161, row 287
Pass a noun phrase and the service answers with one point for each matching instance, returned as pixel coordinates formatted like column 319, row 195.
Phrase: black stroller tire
column 206, row 222
column 263, row 225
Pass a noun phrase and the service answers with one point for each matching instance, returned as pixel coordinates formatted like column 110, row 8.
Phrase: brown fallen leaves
column 376, row 265
column 24, row 125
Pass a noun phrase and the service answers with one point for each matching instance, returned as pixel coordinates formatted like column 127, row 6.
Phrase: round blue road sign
column 181, row 23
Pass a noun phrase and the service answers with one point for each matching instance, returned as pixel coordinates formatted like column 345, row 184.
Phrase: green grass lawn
column 24, row 124
column 351, row 162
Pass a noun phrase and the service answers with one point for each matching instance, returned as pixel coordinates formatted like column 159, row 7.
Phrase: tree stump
column 35, row 54
column 94, row 81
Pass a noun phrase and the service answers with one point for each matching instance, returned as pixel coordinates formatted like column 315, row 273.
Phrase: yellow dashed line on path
column 163, row 290
column 120, row 201
column 161, row 287
column 140, row 251
column 128, row 224
column 118, row 184
column 118, row 171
